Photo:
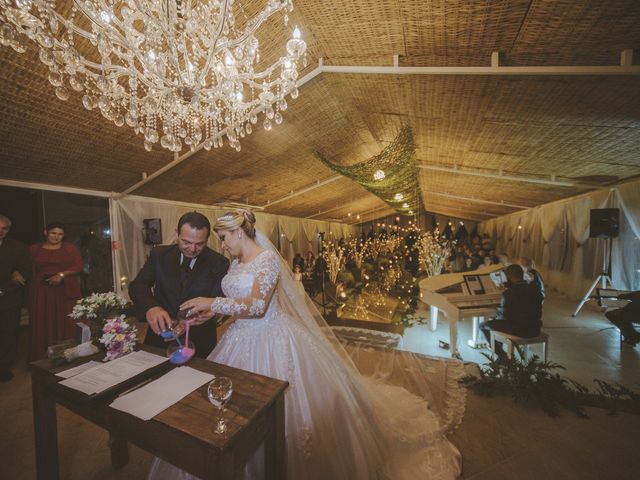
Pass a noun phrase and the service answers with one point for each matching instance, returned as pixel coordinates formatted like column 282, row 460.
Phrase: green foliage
column 533, row 383
column 399, row 188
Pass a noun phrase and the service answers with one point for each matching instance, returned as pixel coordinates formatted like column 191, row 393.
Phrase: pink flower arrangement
column 118, row 337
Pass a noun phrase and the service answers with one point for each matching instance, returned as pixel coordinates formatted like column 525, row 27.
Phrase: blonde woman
column 339, row 424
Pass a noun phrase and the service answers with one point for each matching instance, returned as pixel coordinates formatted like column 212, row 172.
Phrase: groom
column 175, row 273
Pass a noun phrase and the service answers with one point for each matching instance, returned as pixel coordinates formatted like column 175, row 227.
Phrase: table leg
column 45, row 429
column 119, row 450
column 434, row 318
column 275, row 449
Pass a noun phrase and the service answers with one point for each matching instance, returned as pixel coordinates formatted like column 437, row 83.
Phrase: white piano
column 450, row 293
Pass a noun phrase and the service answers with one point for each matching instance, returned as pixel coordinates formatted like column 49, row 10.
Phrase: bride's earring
column 239, row 235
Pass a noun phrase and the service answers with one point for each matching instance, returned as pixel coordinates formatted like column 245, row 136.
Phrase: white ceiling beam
column 477, row 200
column 54, row 188
column 488, row 70
column 499, row 175
column 318, row 184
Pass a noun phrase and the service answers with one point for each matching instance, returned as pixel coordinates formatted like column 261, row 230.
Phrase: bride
column 340, row 425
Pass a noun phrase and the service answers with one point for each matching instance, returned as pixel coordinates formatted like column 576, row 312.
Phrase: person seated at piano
column 625, row 317
column 531, row 275
column 520, row 310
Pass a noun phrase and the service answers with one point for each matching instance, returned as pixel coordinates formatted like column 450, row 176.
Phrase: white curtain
column 310, row 232
column 556, row 236
column 268, row 224
column 289, row 233
column 294, row 235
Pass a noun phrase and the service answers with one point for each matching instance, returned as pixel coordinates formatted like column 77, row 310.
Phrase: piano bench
column 512, row 340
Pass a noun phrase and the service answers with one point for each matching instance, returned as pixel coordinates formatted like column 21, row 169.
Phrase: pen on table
column 135, row 387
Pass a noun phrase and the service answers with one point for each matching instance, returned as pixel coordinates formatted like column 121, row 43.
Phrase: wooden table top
column 252, row 395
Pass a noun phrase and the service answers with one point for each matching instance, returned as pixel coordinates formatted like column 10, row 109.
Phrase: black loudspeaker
column 605, row 223
column 152, row 231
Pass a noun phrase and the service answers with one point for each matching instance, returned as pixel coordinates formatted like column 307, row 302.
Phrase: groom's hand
column 200, row 317
column 158, row 319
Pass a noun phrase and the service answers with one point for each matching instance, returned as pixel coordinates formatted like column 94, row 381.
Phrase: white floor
column 586, row 345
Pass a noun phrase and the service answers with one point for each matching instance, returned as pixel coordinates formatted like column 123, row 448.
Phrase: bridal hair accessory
column 239, row 218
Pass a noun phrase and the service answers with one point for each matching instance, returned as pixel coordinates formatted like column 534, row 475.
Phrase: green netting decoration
column 392, row 175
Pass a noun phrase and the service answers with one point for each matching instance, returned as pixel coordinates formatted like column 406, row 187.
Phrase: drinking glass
column 219, row 393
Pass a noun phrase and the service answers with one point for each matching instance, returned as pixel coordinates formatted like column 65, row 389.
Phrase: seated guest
column 494, row 258
column 309, row 262
column 520, row 310
column 531, row 275
column 320, row 272
column 298, row 261
column 625, row 317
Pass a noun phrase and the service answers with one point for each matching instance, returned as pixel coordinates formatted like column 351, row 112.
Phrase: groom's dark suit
column 160, row 283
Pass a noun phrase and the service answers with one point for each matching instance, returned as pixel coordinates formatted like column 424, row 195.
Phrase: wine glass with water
column 219, row 393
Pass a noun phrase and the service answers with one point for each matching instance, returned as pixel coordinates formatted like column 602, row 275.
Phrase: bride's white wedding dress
column 340, row 425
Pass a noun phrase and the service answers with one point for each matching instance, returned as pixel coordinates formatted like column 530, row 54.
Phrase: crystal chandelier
column 179, row 72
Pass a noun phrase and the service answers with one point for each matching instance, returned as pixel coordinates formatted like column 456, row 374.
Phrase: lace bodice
column 249, row 287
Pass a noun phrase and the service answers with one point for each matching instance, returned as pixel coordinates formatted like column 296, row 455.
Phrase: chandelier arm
column 173, row 58
column 122, row 41
column 260, row 19
column 213, row 50
column 92, row 37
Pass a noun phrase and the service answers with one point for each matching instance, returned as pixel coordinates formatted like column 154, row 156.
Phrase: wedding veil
column 432, row 378
column 299, row 306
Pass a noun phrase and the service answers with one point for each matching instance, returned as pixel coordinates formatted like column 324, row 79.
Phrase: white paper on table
column 148, row 401
column 71, row 372
column 106, row 375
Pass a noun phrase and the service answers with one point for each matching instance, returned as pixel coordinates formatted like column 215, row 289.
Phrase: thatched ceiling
column 583, row 130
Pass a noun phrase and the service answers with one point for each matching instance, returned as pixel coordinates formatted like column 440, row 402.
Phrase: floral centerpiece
column 95, row 309
column 118, row 337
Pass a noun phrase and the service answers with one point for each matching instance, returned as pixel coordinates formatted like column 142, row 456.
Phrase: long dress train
column 339, row 424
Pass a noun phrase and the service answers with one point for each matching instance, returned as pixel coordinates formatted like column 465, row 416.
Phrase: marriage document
column 106, row 375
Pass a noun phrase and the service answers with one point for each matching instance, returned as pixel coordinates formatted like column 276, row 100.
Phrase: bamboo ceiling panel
column 493, row 189
column 567, row 32
column 587, row 128
column 46, row 140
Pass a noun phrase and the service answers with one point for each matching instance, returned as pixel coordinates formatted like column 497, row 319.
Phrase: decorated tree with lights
column 433, row 250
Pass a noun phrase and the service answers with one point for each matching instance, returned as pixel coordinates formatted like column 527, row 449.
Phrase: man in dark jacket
column 531, row 275
column 15, row 271
column 625, row 317
column 175, row 273
column 520, row 310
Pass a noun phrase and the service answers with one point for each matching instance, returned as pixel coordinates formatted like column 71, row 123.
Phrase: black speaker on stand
column 152, row 231
column 604, row 225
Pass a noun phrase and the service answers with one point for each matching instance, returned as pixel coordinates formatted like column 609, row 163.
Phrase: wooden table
column 183, row 434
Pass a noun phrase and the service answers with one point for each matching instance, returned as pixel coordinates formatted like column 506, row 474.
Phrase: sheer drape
column 556, row 236
column 131, row 252
column 310, row 231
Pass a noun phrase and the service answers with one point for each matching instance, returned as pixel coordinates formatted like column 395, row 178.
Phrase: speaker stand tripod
column 603, row 278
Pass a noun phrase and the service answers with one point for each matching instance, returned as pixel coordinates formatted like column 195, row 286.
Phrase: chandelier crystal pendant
column 179, row 72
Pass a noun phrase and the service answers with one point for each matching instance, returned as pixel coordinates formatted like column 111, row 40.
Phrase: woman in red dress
column 54, row 290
